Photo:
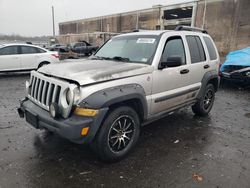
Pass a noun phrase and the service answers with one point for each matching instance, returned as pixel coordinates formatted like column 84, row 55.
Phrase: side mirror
column 173, row 61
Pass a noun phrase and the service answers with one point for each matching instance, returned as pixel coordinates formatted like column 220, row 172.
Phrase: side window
column 210, row 47
column 38, row 50
column 11, row 50
column 29, row 50
column 196, row 49
column 174, row 48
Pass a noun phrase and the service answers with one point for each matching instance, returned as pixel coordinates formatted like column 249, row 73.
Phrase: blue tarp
column 238, row 58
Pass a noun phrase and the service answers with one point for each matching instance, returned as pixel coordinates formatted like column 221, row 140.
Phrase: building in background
column 227, row 21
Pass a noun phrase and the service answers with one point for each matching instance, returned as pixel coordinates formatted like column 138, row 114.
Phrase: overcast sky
column 33, row 17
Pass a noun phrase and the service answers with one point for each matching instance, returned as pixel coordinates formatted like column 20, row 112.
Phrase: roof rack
column 188, row 28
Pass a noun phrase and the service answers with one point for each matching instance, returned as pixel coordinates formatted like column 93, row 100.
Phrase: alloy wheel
column 121, row 133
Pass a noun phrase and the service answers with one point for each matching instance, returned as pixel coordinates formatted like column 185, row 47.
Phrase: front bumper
column 237, row 78
column 69, row 128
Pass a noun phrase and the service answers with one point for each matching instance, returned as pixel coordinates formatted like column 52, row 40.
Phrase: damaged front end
column 236, row 74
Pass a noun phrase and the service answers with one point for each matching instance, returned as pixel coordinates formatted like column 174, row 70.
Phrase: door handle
column 184, row 71
column 206, row 66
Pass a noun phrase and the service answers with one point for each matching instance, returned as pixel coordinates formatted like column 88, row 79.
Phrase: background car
column 23, row 57
column 58, row 47
column 236, row 68
column 83, row 47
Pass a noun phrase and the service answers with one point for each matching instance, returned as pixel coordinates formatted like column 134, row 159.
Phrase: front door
column 171, row 85
column 9, row 58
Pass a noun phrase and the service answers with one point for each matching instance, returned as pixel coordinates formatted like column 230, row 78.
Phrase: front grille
column 44, row 92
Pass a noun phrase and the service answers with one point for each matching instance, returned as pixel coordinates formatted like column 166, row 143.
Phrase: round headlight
column 248, row 74
column 69, row 96
column 77, row 95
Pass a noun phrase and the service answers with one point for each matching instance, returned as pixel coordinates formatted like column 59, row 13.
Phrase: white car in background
column 24, row 57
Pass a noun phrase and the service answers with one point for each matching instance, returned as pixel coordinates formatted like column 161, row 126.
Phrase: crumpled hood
column 92, row 71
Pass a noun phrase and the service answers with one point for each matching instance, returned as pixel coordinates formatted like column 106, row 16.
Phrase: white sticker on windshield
column 145, row 40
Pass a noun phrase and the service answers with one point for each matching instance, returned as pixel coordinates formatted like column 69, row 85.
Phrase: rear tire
column 205, row 104
column 118, row 135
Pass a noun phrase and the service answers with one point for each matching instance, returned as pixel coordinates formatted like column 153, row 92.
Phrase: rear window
column 196, row 49
column 210, row 47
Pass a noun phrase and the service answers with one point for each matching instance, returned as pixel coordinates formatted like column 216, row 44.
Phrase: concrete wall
column 242, row 34
column 227, row 21
column 125, row 22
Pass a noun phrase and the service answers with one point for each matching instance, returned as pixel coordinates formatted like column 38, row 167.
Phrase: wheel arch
column 132, row 95
column 43, row 63
column 210, row 77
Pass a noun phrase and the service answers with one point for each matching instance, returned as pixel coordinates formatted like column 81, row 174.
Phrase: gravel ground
column 181, row 150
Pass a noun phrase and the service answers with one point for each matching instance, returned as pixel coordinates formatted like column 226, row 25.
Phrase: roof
column 20, row 44
column 145, row 32
column 160, row 32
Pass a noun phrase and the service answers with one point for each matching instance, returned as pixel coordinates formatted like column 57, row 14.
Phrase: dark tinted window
column 40, row 50
column 31, row 50
column 11, row 50
column 174, row 48
column 196, row 49
column 211, row 49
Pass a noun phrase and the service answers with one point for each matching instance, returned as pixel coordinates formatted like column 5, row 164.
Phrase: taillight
column 219, row 72
column 55, row 55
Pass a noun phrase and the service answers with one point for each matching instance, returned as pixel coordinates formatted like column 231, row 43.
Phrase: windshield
column 139, row 48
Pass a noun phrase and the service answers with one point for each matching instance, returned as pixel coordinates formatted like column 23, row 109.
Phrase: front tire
column 118, row 135
column 205, row 104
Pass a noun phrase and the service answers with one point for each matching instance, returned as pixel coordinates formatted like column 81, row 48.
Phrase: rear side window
column 31, row 50
column 40, row 50
column 196, row 49
column 11, row 50
column 210, row 47
column 174, row 47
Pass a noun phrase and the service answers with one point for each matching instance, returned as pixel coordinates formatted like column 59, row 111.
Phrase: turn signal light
column 85, row 112
column 85, row 131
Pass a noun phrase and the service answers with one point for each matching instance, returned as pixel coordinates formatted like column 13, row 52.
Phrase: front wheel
column 205, row 104
column 118, row 134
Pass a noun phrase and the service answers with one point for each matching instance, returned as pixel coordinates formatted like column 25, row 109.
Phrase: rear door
column 10, row 58
column 212, row 53
column 199, row 62
column 30, row 57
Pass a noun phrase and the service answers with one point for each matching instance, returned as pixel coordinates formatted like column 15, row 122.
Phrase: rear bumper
column 69, row 128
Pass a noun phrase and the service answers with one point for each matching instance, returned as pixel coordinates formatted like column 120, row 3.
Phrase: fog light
column 54, row 110
column 85, row 131
column 85, row 112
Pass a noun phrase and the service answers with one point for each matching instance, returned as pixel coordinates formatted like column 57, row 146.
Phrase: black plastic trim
column 167, row 97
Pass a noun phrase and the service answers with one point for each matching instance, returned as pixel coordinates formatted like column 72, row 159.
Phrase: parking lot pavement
column 180, row 150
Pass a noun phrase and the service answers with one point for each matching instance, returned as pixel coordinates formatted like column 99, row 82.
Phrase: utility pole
column 204, row 15
column 53, row 20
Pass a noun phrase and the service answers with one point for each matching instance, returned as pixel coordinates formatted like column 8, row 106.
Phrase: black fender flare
column 111, row 96
column 209, row 76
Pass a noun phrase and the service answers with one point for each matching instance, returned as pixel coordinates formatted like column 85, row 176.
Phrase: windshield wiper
column 96, row 58
column 118, row 58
